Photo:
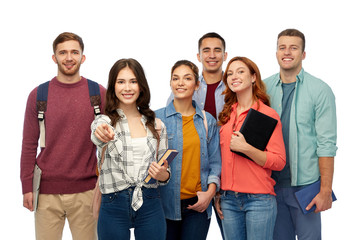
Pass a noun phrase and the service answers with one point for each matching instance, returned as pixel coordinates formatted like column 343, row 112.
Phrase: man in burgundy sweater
column 68, row 160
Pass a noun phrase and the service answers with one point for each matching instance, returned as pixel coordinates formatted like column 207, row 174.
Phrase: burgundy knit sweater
column 68, row 161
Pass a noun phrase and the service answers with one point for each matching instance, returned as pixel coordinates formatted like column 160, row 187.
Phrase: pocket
column 108, row 198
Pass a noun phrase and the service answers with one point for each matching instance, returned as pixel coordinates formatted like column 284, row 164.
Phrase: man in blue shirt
column 306, row 105
column 212, row 55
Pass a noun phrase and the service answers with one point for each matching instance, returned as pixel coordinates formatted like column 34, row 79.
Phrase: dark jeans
column 193, row 225
column 116, row 216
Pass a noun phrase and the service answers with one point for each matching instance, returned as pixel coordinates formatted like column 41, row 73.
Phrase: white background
column 158, row 33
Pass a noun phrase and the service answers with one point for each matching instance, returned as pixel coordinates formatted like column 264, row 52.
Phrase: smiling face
column 239, row 78
column 212, row 55
column 126, row 88
column 68, row 56
column 289, row 54
column 183, row 82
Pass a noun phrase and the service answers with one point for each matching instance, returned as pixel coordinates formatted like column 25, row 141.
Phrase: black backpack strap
column 41, row 105
column 95, row 97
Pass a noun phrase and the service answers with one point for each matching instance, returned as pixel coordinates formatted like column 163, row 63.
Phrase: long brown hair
column 258, row 89
column 143, row 101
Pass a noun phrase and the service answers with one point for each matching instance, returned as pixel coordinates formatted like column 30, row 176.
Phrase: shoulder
column 158, row 124
column 160, row 113
column 33, row 92
column 272, row 79
column 102, row 89
column 316, row 86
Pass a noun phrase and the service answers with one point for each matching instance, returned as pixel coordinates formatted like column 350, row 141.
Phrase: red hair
column 258, row 89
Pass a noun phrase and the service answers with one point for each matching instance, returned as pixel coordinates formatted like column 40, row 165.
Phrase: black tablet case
column 257, row 130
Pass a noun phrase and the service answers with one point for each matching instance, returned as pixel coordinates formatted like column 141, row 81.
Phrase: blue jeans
column 116, row 216
column 248, row 216
column 290, row 219
column 192, row 226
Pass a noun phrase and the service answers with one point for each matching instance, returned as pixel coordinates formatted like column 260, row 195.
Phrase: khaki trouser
column 53, row 209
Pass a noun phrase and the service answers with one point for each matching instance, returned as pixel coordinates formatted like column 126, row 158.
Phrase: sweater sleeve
column 31, row 134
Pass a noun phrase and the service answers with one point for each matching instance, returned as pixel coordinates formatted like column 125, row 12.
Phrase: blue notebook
column 307, row 194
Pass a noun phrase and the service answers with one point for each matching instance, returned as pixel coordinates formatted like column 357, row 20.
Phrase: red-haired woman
column 246, row 202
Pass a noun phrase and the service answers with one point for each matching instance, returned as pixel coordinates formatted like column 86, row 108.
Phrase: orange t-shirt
column 240, row 174
column 190, row 171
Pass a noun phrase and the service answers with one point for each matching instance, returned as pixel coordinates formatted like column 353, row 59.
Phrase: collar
column 170, row 110
column 299, row 77
column 202, row 80
column 256, row 106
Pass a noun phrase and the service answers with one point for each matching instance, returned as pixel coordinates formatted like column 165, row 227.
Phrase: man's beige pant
column 53, row 209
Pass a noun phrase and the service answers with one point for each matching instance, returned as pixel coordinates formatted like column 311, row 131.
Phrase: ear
column 303, row 55
column 83, row 58
column 253, row 79
column 225, row 56
column 54, row 59
column 198, row 57
column 197, row 85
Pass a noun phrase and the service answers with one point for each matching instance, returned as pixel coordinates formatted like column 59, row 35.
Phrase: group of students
column 130, row 138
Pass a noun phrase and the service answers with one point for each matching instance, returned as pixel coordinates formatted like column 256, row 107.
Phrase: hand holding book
column 239, row 144
column 167, row 157
column 159, row 172
column 257, row 130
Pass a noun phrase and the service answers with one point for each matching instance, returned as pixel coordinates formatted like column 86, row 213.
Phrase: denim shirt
column 200, row 95
column 210, row 159
column 312, row 130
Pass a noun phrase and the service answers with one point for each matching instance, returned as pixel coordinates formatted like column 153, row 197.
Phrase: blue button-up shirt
column 199, row 95
column 210, row 158
column 312, row 130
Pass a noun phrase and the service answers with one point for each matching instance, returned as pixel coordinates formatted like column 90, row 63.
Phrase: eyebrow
column 237, row 69
column 208, row 48
column 188, row 74
column 291, row 45
column 125, row 79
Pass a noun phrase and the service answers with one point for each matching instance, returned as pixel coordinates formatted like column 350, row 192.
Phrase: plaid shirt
column 118, row 158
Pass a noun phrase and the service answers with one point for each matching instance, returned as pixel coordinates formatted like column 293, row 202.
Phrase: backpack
column 41, row 104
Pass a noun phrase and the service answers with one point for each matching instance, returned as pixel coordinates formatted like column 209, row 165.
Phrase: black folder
column 257, row 130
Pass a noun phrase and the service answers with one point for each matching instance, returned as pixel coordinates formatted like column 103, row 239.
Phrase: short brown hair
column 212, row 35
column 67, row 36
column 291, row 32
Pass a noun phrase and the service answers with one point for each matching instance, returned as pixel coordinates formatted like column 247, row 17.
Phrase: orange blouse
column 240, row 174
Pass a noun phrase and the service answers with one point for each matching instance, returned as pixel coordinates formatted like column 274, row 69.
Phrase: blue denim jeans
column 248, row 216
column 290, row 219
column 116, row 216
column 192, row 226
